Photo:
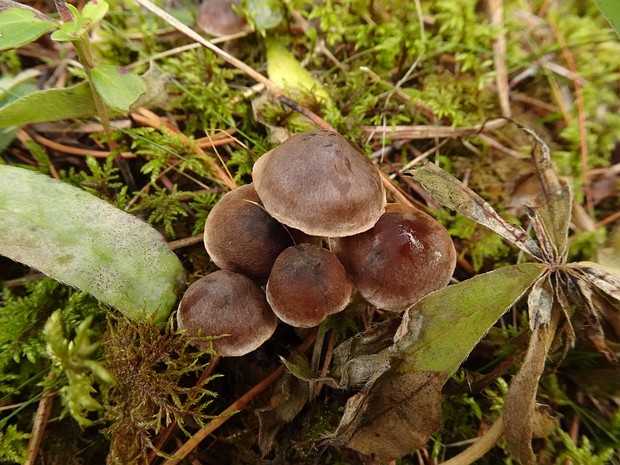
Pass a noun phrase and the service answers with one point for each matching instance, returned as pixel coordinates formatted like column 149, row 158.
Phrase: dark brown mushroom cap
column 320, row 183
column 404, row 257
column 224, row 302
column 217, row 18
column 241, row 236
column 307, row 283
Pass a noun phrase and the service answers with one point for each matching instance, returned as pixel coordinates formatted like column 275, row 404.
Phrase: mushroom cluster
column 314, row 189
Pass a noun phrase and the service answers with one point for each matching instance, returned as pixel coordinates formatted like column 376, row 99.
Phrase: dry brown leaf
column 395, row 417
column 519, row 414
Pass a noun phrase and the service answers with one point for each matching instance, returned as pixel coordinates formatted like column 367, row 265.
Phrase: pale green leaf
column 95, row 10
column 81, row 240
column 49, row 105
column 20, row 26
column 611, row 10
column 287, row 73
column 118, row 87
column 438, row 333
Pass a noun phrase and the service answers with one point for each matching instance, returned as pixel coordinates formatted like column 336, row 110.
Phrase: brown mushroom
column 230, row 305
column 320, row 183
column 217, row 18
column 307, row 283
column 404, row 257
column 241, row 236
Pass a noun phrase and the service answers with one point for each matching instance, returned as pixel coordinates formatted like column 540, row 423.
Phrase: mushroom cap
column 307, row 283
column 227, row 303
column 406, row 255
column 217, row 18
column 320, row 183
column 241, row 236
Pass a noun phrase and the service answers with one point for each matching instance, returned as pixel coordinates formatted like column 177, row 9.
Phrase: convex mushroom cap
column 217, row 18
column 320, row 183
column 227, row 303
column 406, row 255
column 241, row 236
column 307, row 283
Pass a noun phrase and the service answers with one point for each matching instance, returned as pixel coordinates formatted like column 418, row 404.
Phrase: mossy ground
column 416, row 64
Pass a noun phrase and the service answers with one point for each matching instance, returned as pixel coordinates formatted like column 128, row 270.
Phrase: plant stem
column 85, row 56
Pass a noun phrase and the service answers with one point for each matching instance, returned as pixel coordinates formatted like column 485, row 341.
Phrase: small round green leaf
column 118, row 87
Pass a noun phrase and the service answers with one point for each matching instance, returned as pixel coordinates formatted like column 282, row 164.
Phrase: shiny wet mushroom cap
column 307, row 283
column 227, row 303
column 402, row 258
column 320, row 183
column 241, row 236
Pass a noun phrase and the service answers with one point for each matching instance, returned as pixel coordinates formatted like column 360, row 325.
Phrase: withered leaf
column 519, row 414
column 289, row 397
column 453, row 194
column 606, row 278
column 540, row 301
column 395, row 417
column 554, row 204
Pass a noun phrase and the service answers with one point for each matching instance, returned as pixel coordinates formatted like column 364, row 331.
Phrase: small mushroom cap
column 229, row 303
column 217, row 18
column 404, row 257
column 241, row 236
column 307, row 283
column 320, row 183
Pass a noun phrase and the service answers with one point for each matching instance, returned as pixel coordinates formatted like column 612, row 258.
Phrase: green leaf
column 611, row 10
column 287, row 73
column 440, row 331
column 69, row 32
column 20, row 26
column 81, row 240
column 95, row 10
column 49, row 105
column 118, row 87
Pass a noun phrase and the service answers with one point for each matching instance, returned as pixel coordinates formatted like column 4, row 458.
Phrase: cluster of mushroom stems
column 267, row 238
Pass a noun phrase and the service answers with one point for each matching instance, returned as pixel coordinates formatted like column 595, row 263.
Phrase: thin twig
column 499, row 56
column 75, row 150
column 581, row 114
column 241, row 403
column 38, row 429
column 429, row 132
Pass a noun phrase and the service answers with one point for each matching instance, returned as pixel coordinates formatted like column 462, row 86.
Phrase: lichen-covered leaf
column 81, row 240
column 453, row 194
column 440, row 331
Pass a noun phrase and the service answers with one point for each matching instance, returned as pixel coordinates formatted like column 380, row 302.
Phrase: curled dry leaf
column 451, row 193
column 519, row 414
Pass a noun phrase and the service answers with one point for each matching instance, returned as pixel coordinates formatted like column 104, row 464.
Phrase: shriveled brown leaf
column 540, row 301
column 519, row 414
column 395, row 417
column 451, row 193
column 606, row 278
column 554, row 204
